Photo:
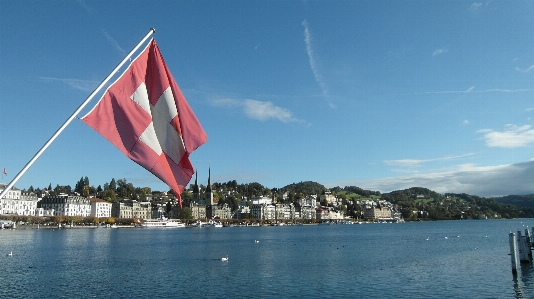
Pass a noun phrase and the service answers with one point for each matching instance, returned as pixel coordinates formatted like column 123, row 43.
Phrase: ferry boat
column 210, row 223
column 163, row 222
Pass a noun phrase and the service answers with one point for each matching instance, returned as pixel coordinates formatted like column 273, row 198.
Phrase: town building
column 328, row 198
column 219, row 211
column 13, row 193
column 326, row 214
column 198, row 211
column 17, row 203
column 131, row 209
column 66, row 205
column 243, row 212
column 377, row 213
column 100, row 208
column 263, row 211
column 306, row 212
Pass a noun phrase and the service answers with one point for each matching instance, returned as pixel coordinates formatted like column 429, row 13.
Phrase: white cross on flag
column 145, row 115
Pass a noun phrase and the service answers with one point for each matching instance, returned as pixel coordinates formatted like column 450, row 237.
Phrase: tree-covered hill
column 520, row 201
column 306, row 188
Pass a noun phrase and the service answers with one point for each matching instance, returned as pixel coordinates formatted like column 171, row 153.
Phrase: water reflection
column 524, row 281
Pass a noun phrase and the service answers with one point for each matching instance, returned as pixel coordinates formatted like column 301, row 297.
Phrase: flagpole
column 73, row 116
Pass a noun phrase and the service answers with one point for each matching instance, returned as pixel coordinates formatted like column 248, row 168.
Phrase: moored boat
column 163, row 222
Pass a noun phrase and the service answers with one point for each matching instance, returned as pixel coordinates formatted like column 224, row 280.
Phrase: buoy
column 10, row 254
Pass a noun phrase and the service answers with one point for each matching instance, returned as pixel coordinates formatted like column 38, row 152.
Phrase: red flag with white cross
column 145, row 115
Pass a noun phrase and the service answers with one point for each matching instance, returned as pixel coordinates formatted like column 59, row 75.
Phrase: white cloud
column 83, row 85
column 266, row 110
column 485, row 181
column 113, row 42
column 85, row 6
column 513, row 136
column 313, row 61
column 525, row 70
column 471, row 89
column 439, row 51
column 418, row 162
column 465, row 122
column 475, row 6
column 258, row 110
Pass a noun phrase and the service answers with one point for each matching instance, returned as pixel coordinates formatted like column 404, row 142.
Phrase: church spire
column 195, row 186
column 208, row 188
column 209, row 193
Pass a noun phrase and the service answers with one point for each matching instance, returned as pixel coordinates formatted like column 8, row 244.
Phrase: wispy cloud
column 513, row 136
column 439, row 51
column 465, row 122
column 486, row 181
column 525, row 70
column 472, row 89
column 85, row 6
column 113, row 42
column 475, row 6
column 313, row 62
column 418, row 162
column 83, row 85
column 258, row 110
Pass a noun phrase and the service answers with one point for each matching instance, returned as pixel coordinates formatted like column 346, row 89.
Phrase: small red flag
column 145, row 115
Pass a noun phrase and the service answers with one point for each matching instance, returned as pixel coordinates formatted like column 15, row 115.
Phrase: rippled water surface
column 446, row 259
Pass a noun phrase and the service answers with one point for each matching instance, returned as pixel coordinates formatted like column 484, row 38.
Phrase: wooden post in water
column 523, row 255
column 528, row 244
column 513, row 252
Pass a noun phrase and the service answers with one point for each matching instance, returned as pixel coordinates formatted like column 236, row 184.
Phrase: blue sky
column 384, row 95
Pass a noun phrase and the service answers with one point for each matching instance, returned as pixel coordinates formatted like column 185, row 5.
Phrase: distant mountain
column 520, row 201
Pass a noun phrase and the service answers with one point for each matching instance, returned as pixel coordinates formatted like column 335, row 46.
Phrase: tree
column 85, row 187
column 113, row 185
column 109, row 195
column 186, row 213
column 79, row 187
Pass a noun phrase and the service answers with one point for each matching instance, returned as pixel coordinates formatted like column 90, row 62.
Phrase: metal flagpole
column 71, row 118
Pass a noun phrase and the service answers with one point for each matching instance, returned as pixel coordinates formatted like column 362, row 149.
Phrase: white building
column 307, row 212
column 261, row 200
column 328, row 198
column 13, row 193
column 308, row 201
column 376, row 213
column 17, row 203
column 65, row 205
column 327, row 214
column 262, row 212
column 100, row 208
column 284, row 211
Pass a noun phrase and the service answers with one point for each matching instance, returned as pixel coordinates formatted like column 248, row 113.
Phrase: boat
column 162, row 222
column 210, row 223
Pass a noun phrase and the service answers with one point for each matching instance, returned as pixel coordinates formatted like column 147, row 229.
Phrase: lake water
column 442, row 259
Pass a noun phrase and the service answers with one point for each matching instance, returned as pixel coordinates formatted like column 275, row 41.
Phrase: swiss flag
column 145, row 115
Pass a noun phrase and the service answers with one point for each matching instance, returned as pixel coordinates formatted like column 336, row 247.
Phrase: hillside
column 520, row 201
